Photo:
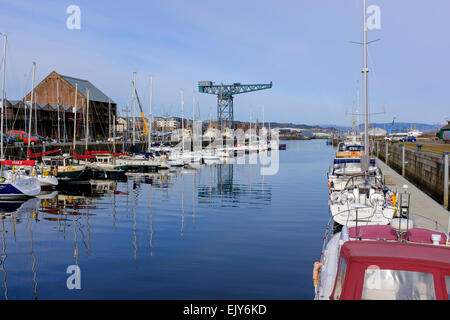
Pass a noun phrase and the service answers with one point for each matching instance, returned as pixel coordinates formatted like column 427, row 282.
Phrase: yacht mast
column 31, row 106
column 150, row 115
column 182, row 121
column 5, row 38
column 57, row 89
column 109, row 119
column 87, row 119
column 75, row 117
column 193, row 119
column 35, row 114
column 366, row 106
column 134, row 108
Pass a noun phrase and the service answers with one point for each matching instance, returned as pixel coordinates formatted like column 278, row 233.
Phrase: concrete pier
column 426, row 170
column 425, row 211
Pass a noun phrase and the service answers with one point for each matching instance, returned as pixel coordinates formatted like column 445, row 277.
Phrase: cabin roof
column 396, row 253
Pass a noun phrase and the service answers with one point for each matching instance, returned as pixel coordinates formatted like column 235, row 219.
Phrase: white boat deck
column 424, row 210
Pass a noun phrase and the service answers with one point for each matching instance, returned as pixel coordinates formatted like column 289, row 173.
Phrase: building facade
column 53, row 109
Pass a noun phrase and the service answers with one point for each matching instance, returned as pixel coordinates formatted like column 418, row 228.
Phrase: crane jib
column 142, row 114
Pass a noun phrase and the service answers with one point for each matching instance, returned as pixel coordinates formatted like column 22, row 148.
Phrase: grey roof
column 14, row 102
column 94, row 93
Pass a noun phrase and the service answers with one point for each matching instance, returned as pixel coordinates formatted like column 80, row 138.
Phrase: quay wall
column 423, row 169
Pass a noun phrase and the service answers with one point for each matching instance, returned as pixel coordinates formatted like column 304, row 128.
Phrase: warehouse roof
column 94, row 93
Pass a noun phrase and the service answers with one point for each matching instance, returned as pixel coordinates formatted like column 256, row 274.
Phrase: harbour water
column 220, row 232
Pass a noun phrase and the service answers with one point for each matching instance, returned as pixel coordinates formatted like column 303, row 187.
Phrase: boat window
column 447, row 284
column 397, row 285
column 340, row 279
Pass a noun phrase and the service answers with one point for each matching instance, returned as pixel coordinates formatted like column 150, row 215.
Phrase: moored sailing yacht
column 13, row 184
column 17, row 184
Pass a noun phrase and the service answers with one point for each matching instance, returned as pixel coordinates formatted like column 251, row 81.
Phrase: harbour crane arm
column 142, row 113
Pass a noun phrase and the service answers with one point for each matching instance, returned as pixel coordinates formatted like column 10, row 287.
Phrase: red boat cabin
column 393, row 270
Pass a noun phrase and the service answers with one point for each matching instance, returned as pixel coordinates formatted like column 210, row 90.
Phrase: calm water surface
column 221, row 232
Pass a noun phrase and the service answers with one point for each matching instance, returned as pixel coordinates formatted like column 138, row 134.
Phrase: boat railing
column 438, row 226
column 327, row 235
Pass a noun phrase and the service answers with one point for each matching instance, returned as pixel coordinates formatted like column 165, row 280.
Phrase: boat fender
column 317, row 266
column 354, row 154
column 55, row 172
column 2, row 180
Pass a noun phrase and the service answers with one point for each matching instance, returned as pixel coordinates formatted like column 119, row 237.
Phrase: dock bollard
column 446, row 169
column 419, row 147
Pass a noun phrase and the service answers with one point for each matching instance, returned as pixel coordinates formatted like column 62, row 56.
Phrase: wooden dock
column 424, row 210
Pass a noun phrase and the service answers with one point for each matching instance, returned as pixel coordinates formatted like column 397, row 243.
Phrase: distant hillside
column 298, row 126
column 397, row 127
column 404, row 126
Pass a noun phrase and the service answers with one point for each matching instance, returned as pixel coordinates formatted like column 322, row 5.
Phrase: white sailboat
column 13, row 184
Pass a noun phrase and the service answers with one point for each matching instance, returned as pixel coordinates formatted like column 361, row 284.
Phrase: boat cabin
column 381, row 268
column 55, row 162
column 348, row 166
column 349, row 150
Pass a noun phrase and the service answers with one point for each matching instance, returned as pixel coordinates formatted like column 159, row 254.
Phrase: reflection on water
column 227, row 189
column 217, row 232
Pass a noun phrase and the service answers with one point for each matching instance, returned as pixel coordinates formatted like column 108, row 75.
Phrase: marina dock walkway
column 424, row 210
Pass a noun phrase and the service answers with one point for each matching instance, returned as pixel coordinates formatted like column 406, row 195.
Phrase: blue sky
column 301, row 46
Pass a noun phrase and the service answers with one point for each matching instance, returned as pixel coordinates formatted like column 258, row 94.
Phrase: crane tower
column 225, row 93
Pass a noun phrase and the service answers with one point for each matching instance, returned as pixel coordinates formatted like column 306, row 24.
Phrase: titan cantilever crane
column 224, row 93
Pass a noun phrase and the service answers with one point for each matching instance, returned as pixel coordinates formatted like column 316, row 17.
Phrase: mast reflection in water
column 218, row 232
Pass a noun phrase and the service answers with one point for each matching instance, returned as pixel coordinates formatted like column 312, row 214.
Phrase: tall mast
column 114, row 139
column 87, row 119
column 150, row 120
column 64, row 125
column 109, row 119
column 35, row 114
column 57, row 91
column 193, row 119
column 134, row 108
column 366, row 106
column 75, row 117
column 5, row 38
column 31, row 106
column 182, row 121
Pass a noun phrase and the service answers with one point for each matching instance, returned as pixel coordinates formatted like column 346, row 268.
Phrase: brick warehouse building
column 56, row 93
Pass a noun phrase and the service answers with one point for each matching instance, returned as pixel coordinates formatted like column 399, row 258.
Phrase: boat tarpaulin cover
column 82, row 156
column 18, row 163
column 41, row 154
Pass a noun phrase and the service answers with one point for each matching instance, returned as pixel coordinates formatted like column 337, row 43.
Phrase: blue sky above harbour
column 301, row 46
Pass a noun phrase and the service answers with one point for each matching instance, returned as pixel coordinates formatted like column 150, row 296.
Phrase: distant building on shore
column 377, row 132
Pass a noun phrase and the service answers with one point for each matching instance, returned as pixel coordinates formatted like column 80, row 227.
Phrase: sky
column 302, row 46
